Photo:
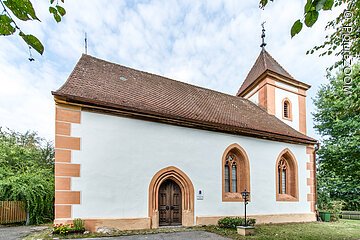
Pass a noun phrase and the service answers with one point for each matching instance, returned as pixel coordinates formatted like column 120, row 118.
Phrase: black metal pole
column 245, row 210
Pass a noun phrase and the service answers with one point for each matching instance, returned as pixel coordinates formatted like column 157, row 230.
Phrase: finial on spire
column 263, row 44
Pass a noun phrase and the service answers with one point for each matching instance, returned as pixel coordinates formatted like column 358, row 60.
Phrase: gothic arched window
column 231, row 175
column 286, row 177
column 236, row 173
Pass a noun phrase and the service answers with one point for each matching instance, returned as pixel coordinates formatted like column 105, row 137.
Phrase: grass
column 343, row 229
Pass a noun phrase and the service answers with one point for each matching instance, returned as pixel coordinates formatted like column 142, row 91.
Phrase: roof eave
column 278, row 77
column 153, row 116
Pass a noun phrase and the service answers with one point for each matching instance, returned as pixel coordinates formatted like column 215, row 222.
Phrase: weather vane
column 263, row 44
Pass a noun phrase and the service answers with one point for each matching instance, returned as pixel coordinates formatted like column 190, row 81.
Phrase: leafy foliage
column 79, row 224
column 32, row 41
column 26, row 173
column 337, row 119
column 311, row 12
column 344, row 40
column 296, row 28
column 5, row 25
column 23, row 10
column 233, row 222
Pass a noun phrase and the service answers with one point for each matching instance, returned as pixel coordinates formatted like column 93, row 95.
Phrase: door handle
column 172, row 207
column 167, row 208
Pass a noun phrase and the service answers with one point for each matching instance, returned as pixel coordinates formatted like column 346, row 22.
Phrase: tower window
column 287, row 109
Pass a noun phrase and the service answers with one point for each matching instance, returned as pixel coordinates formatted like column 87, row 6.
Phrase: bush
column 336, row 210
column 76, row 227
column 79, row 224
column 27, row 173
column 333, row 207
column 233, row 222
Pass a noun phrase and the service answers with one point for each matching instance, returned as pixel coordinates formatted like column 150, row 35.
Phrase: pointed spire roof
column 263, row 63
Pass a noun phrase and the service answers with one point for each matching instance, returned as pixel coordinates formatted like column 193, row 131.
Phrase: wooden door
column 169, row 204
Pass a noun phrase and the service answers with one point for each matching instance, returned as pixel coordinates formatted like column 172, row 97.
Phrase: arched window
column 287, row 114
column 286, row 177
column 282, row 176
column 231, row 180
column 236, row 173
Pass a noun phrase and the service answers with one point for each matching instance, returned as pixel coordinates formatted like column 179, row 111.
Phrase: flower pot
column 325, row 216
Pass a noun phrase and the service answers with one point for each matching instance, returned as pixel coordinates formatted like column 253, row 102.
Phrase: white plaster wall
column 280, row 94
column 286, row 86
column 255, row 98
column 119, row 157
column 255, row 89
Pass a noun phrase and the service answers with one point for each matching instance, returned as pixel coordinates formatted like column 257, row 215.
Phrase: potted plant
column 331, row 211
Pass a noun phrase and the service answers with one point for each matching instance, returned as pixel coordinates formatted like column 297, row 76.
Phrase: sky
column 212, row 44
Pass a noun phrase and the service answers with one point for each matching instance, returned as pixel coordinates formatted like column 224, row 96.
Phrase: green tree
column 337, row 119
column 23, row 10
column 27, row 173
column 344, row 37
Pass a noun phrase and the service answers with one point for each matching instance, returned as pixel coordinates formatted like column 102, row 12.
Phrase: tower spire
column 263, row 44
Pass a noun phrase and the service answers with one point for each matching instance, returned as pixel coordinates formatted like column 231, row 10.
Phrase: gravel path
column 18, row 232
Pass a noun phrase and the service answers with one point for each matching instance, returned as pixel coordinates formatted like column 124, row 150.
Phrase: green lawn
column 344, row 229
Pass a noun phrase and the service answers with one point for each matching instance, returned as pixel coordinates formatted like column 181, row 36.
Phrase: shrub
column 76, row 227
column 79, row 224
column 335, row 210
column 233, row 222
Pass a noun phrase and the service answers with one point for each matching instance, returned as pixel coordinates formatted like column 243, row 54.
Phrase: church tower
column 270, row 86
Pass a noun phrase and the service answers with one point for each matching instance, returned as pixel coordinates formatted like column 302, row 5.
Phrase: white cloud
column 208, row 43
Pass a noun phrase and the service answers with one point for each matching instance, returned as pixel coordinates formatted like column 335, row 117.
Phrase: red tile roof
column 99, row 83
column 264, row 62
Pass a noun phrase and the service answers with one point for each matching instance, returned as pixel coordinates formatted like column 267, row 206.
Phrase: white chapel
column 135, row 150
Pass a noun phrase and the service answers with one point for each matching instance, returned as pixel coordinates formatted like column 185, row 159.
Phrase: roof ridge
column 263, row 54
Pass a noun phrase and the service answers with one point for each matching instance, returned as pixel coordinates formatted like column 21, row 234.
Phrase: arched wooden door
column 169, row 204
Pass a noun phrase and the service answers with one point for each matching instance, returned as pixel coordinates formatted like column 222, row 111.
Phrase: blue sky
column 212, row 44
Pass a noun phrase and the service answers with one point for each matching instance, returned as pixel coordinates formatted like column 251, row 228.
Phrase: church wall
column 280, row 95
column 119, row 156
column 254, row 98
